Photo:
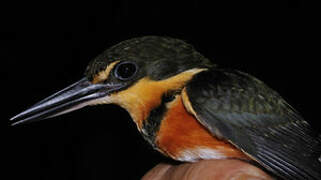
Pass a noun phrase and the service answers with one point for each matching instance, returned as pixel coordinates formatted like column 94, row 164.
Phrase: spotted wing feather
column 243, row 110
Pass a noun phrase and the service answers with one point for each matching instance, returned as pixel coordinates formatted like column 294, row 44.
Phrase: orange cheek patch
column 146, row 94
column 180, row 131
column 139, row 99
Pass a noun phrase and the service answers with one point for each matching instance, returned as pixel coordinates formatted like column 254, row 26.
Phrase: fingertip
column 157, row 173
column 239, row 170
column 227, row 169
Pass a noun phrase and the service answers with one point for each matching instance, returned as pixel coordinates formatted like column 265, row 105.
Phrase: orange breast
column 183, row 138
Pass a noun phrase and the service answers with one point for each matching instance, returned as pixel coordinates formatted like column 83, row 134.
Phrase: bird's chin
column 99, row 101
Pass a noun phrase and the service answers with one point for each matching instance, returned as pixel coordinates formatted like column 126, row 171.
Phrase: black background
column 47, row 47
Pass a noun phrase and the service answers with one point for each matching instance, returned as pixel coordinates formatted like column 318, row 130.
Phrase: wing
column 244, row 111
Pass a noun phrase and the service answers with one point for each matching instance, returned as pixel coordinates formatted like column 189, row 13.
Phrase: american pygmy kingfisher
column 190, row 109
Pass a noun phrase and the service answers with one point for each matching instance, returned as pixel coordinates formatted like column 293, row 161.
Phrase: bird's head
column 135, row 74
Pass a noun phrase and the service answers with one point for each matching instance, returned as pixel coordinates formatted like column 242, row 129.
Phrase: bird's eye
column 125, row 70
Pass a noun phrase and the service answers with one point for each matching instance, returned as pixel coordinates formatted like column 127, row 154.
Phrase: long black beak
column 71, row 98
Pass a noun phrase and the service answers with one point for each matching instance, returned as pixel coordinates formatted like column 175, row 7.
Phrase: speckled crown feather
column 148, row 48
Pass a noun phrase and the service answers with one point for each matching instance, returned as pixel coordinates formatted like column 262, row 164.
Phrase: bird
column 190, row 109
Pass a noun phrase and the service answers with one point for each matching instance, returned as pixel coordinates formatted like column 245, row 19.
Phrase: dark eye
column 125, row 70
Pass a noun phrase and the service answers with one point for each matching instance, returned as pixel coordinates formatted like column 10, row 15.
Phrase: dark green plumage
column 243, row 110
column 158, row 57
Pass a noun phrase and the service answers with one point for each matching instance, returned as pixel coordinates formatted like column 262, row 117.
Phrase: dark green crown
column 164, row 56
